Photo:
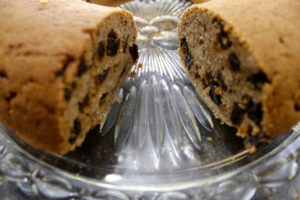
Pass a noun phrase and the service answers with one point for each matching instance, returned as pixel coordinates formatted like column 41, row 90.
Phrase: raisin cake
column 61, row 64
column 243, row 58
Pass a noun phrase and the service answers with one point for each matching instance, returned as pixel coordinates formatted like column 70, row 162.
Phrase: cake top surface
column 35, row 39
column 271, row 24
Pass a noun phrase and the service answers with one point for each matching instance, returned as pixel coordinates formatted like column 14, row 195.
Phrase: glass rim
column 157, row 187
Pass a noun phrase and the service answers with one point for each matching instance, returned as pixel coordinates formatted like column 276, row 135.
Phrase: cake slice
column 61, row 63
column 243, row 58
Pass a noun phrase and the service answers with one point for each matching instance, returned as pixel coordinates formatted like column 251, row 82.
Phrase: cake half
column 243, row 58
column 61, row 63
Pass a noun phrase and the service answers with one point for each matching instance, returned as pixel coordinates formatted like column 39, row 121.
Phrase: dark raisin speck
column 216, row 98
column 249, row 130
column 221, row 81
column 197, row 76
column 101, row 77
column 83, row 104
column 113, row 44
column 67, row 94
column 224, row 40
column 259, row 78
column 222, row 35
column 73, row 85
column 217, row 23
column 297, row 107
column 3, row 74
column 134, row 52
column 237, row 114
column 102, row 98
column 66, row 63
column 255, row 111
column 101, row 50
column 10, row 96
column 82, row 68
column 186, row 51
column 125, row 44
column 206, row 79
column 234, row 62
column 75, row 131
column 212, row 82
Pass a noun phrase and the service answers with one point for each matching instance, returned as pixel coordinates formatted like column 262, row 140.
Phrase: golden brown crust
column 198, row 1
column 41, row 65
column 108, row 2
column 267, row 31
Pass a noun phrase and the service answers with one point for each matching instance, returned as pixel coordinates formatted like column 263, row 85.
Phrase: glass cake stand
column 159, row 141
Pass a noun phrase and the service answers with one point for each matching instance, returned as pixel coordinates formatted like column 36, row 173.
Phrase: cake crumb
column 252, row 149
column 132, row 74
column 140, row 65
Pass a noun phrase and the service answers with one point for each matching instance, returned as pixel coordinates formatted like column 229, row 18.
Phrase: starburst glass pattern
column 160, row 117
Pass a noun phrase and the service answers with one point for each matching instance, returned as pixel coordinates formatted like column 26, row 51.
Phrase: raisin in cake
column 60, row 67
column 243, row 58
